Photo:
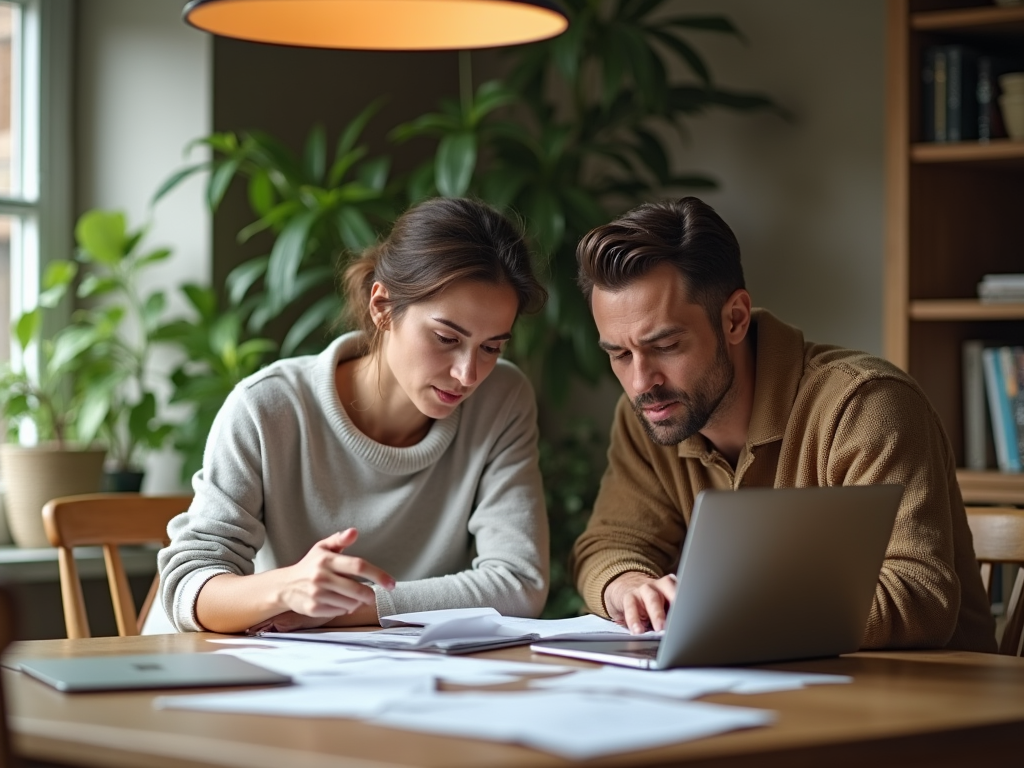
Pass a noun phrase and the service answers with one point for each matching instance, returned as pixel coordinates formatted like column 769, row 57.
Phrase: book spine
column 940, row 94
column 928, row 94
column 1018, row 401
column 1008, row 371
column 975, row 432
column 954, row 93
column 994, row 389
column 985, row 94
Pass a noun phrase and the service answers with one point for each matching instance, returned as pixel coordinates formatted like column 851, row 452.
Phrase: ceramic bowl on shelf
column 1012, row 83
column 1012, row 107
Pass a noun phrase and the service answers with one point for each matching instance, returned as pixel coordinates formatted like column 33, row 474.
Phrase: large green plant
column 581, row 129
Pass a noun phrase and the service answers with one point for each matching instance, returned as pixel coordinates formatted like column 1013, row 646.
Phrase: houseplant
column 40, row 405
column 581, row 129
column 118, row 403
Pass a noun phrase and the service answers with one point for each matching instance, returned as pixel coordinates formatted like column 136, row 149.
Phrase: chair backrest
column 999, row 538
column 107, row 520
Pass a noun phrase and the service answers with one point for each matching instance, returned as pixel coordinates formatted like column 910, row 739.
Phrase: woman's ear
column 380, row 306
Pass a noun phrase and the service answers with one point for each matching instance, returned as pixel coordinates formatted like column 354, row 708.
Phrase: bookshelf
column 955, row 211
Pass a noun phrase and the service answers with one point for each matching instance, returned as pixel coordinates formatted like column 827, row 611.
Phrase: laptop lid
column 148, row 671
column 768, row 575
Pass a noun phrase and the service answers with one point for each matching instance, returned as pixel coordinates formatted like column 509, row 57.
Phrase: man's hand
column 638, row 602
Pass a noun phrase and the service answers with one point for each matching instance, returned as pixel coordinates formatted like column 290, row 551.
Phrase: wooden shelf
column 998, row 152
column 964, row 309
column 991, row 487
column 991, row 21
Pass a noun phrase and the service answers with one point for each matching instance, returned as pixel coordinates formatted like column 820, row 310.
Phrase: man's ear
column 736, row 316
column 380, row 306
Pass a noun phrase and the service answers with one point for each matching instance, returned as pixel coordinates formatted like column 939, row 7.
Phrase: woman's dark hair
column 686, row 233
column 431, row 246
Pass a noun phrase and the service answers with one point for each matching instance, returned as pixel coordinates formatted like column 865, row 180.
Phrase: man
column 717, row 395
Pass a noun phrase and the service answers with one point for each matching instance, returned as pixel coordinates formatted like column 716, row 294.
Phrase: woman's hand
column 326, row 583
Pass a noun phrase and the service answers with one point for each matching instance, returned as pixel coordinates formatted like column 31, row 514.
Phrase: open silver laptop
column 148, row 671
column 766, row 575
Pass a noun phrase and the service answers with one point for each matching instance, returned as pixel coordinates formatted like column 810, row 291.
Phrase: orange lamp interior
column 380, row 24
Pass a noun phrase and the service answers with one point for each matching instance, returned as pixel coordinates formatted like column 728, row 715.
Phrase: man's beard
column 698, row 406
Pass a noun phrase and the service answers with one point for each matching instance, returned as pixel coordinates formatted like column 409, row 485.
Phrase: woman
column 395, row 471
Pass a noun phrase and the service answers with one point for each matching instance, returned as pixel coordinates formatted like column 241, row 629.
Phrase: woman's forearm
column 231, row 603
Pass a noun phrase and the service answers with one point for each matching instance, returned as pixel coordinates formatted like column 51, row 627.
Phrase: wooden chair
column 999, row 538
column 107, row 520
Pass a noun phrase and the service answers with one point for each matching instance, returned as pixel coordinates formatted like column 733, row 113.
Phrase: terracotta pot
column 35, row 474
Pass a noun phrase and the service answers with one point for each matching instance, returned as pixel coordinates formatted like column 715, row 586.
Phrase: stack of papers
column 465, row 630
column 571, row 712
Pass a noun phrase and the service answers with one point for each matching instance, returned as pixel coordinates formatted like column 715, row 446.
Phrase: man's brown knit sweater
column 822, row 416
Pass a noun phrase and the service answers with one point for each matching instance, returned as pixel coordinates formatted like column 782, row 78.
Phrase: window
column 35, row 156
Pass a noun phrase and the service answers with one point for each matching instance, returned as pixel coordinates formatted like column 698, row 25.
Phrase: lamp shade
column 389, row 25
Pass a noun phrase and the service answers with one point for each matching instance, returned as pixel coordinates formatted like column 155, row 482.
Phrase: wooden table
column 903, row 709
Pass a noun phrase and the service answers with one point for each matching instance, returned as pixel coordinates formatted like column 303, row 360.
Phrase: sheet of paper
column 355, row 696
column 685, row 683
column 309, row 662
column 589, row 627
column 426, row 618
column 572, row 725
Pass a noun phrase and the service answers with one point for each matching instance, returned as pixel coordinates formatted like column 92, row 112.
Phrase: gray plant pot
column 35, row 474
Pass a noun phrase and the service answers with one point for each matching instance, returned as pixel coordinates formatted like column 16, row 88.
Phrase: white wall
column 805, row 198
column 143, row 92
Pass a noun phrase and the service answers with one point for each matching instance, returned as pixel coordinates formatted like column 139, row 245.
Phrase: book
column 1004, row 430
column 939, row 96
column 988, row 108
column 961, row 93
column 928, row 93
column 976, row 429
column 1017, row 403
column 465, row 630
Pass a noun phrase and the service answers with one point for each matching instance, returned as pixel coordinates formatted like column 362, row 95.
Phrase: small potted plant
column 40, row 405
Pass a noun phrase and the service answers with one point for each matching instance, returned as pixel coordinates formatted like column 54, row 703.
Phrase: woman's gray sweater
column 458, row 519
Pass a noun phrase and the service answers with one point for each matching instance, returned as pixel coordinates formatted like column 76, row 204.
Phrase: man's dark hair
column 686, row 233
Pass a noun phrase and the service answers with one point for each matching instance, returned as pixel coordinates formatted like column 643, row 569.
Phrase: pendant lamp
column 388, row 25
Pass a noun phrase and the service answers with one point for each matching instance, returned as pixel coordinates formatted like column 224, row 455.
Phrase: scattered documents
column 572, row 725
column 685, row 683
column 464, row 630
column 354, row 696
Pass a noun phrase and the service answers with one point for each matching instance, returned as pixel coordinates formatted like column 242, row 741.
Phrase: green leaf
column 323, row 311
column 220, row 180
column 705, row 24
column 285, row 258
column 454, row 163
column 59, row 273
column 101, row 235
column 684, row 52
column 545, row 219
column 432, row 124
column 373, row 174
column 652, row 154
column 261, row 192
column 203, row 299
column 342, row 165
column 243, row 277
column 176, row 178
column 92, row 413
column 251, row 352
column 352, row 132
column 153, row 257
column 27, row 327
column 314, row 157
column 277, row 217
column 489, row 97
column 141, row 415
column 501, row 186
column 94, row 285
column 152, row 309
column 71, row 343
column 355, row 230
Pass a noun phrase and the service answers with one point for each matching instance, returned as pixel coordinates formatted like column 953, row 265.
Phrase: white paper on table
column 309, row 662
column 573, row 725
column 426, row 618
column 356, row 696
column 588, row 627
column 684, row 683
